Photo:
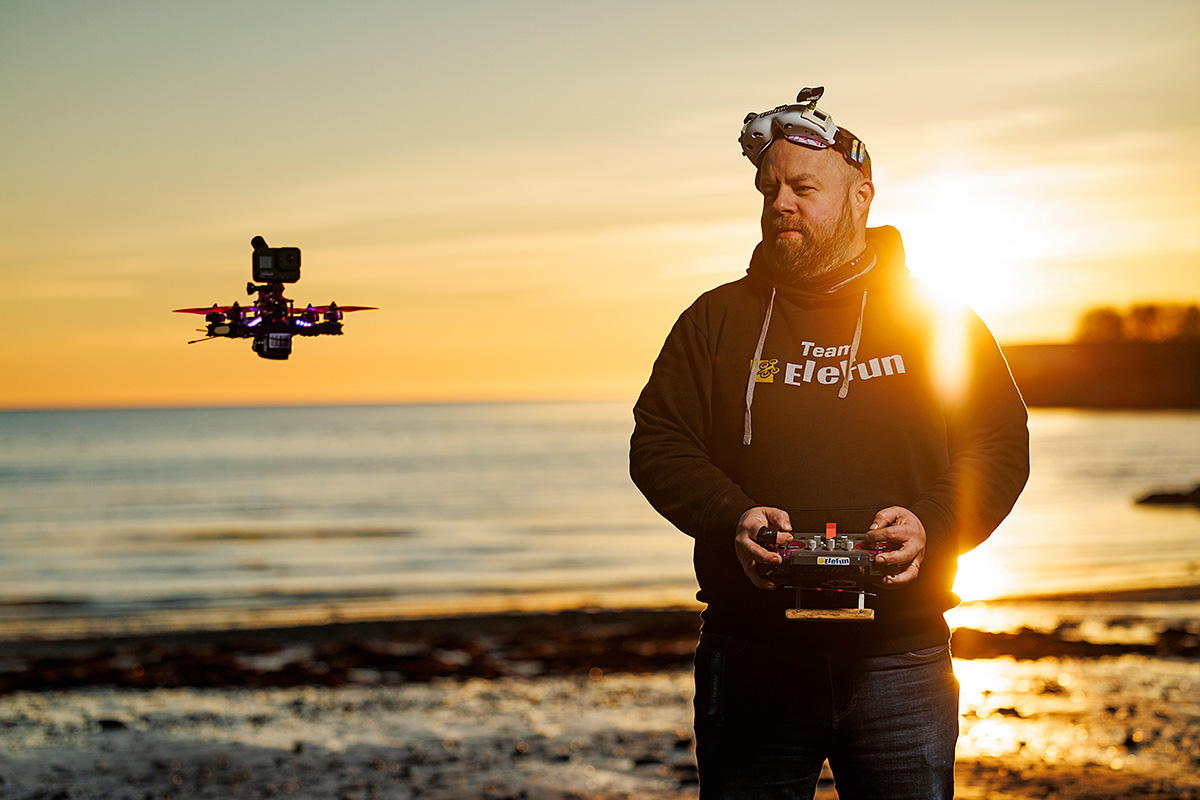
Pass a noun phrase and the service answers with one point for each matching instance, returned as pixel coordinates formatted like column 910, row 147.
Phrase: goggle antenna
column 810, row 96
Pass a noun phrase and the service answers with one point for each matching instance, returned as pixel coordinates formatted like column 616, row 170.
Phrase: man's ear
column 862, row 196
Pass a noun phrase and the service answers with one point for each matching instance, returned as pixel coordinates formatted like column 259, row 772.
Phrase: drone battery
column 275, row 346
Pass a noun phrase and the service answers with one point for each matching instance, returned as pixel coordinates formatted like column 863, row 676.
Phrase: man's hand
column 751, row 554
column 900, row 526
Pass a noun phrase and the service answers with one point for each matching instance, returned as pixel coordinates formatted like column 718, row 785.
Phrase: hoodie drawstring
column 853, row 348
column 747, row 429
column 762, row 338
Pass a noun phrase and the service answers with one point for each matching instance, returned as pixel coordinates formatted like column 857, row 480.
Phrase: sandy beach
column 582, row 704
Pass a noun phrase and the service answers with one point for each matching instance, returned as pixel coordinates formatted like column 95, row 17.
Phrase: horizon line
column 283, row 404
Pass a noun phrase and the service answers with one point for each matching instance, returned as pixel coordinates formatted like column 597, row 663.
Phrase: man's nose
column 785, row 201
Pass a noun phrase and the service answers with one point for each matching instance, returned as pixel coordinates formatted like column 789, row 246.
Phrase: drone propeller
column 216, row 308
column 213, row 307
column 323, row 309
column 254, row 309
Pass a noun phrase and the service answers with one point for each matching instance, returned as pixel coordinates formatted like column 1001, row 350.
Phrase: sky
column 531, row 192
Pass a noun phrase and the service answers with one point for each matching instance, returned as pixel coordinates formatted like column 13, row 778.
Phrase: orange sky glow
column 531, row 191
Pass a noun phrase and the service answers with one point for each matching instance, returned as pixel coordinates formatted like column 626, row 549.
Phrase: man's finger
column 758, row 553
column 901, row 578
column 907, row 551
column 750, row 567
column 886, row 517
column 776, row 518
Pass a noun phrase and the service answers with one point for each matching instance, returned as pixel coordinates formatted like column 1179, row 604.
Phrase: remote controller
column 829, row 562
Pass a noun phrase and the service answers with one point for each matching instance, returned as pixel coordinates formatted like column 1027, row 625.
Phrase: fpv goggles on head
column 804, row 124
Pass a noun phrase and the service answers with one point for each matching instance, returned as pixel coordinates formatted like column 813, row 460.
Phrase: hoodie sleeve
column 668, row 457
column 988, row 439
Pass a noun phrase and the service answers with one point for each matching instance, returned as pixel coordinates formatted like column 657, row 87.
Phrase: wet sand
column 571, row 705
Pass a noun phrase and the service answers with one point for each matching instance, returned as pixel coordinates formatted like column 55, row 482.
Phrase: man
column 811, row 391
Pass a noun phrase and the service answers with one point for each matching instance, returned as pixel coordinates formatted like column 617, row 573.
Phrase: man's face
column 814, row 210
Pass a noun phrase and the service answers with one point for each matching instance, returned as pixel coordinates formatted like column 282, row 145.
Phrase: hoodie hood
column 883, row 243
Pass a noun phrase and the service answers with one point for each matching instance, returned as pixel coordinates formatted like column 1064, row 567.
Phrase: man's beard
column 811, row 255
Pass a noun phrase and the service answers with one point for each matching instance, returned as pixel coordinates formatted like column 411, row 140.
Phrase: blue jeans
column 767, row 719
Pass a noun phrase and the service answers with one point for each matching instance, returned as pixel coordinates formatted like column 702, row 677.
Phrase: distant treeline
column 1143, row 322
column 1145, row 357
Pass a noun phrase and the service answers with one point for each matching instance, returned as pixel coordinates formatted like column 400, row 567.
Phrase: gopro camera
column 274, row 264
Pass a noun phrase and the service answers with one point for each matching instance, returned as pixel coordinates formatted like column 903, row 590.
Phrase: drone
column 272, row 319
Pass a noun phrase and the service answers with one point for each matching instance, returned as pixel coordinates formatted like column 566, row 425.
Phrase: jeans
column 767, row 719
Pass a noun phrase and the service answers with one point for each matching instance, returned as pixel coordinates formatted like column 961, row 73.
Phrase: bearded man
column 810, row 394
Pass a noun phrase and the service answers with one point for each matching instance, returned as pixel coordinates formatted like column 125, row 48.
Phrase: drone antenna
column 205, row 339
column 258, row 243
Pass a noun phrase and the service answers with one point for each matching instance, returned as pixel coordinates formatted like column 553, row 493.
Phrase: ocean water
column 137, row 519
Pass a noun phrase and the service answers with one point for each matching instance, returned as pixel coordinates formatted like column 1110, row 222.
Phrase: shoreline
column 564, row 642
column 34, row 627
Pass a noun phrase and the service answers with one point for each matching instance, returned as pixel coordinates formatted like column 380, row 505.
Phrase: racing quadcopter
column 272, row 320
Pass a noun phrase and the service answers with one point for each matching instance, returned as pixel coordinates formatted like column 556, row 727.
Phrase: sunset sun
column 974, row 237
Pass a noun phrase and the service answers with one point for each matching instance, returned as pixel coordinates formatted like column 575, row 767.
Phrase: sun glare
column 950, row 351
column 980, row 577
column 972, row 236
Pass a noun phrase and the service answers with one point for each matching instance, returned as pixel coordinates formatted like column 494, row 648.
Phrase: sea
column 120, row 521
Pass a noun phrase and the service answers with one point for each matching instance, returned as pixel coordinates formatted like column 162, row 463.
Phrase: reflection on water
column 1099, row 621
column 1076, row 527
column 1111, row 711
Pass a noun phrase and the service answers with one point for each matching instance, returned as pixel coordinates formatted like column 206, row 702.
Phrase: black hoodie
column 864, row 395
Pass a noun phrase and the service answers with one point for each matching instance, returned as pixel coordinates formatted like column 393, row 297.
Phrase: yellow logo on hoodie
column 767, row 368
